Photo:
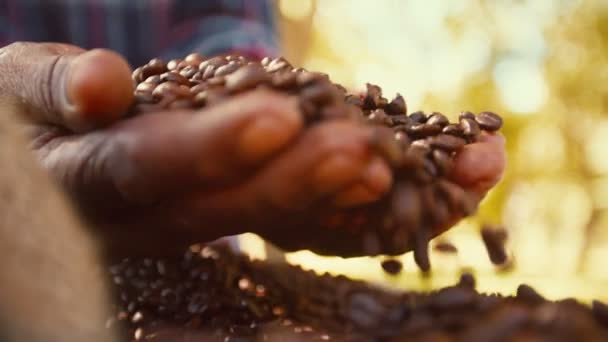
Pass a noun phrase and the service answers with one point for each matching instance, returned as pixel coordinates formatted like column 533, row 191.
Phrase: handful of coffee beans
column 419, row 147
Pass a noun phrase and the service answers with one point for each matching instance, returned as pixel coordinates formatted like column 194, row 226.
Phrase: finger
column 65, row 85
column 154, row 155
column 374, row 182
column 325, row 160
column 479, row 166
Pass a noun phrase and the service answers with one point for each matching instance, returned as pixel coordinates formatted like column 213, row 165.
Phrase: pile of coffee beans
column 234, row 299
column 419, row 147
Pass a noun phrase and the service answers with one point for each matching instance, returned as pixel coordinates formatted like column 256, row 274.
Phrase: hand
column 155, row 183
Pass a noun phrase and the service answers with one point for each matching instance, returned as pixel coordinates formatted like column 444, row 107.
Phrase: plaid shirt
column 143, row 29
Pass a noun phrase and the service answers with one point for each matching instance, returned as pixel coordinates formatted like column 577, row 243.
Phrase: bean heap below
column 234, row 299
column 419, row 147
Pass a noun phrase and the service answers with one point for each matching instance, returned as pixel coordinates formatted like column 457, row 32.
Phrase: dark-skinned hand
column 155, row 183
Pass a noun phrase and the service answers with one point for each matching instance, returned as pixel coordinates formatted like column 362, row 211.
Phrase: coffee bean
column 174, row 76
column 245, row 78
column 446, row 142
column 418, row 131
column 470, row 128
column 145, row 88
column 307, row 78
column 386, row 145
column 494, row 240
column 373, row 95
column 189, row 71
column 489, row 121
column 397, row 106
column 379, row 117
column 392, row 266
column 454, row 129
column 421, row 248
column 278, row 64
column 171, row 89
column 454, row 298
column 194, row 58
column 466, row 115
column 226, row 69
column 157, row 66
column 172, row 64
column 144, row 98
column 403, row 120
column 265, row 61
column 529, row 295
column 215, row 62
column 208, row 72
column 445, row 247
column 467, row 280
column 153, row 79
column 443, row 161
column 418, row 117
column 438, row 119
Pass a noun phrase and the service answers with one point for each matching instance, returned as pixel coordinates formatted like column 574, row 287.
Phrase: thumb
column 65, row 85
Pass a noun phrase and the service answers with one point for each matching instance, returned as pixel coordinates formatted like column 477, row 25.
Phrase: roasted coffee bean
column 207, row 72
column 144, row 98
column 173, row 64
column 401, row 120
column 454, row 298
column 438, row 119
column 424, row 130
column 397, row 106
column 467, row 280
column 392, row 266
column 379, row 117
column 421, row 248
column 470, row 128
column 446, row 142
column 529, row 295
column 494, row 239
column 382, row 141
column 306, row 78
column 145, row 88
column 171, row 89
column 445, row 247
column 443, row 161
column 215, row 62
column 278, row 64
column 265, row 61
column 189, row 71
column 454, row 129
column 489, row 121
column 245, row 78
column 198, row 88
column 466, row 115
column 418, row 117
column 153, row 79
column 226, row 69
column 173, row 76
column 372, row 96
column 194, row 58
column 157, row 66
column 354, row 100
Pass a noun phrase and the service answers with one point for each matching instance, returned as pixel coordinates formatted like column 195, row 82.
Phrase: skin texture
column 156, row 183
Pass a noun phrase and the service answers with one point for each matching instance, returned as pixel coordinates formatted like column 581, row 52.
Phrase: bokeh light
column 543, row 65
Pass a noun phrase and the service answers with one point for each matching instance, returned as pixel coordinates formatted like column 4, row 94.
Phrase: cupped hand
column 154, row 183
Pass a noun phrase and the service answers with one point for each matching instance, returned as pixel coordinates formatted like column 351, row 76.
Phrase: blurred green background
column 542, row 65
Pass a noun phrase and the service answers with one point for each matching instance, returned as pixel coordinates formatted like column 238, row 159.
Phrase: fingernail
column 337, row 171
column 378, row 176
column 268, row 134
